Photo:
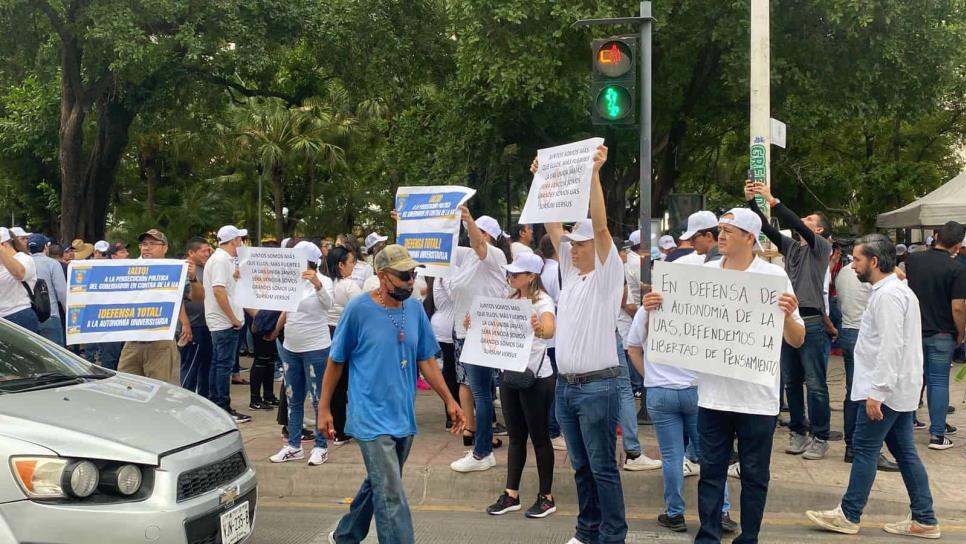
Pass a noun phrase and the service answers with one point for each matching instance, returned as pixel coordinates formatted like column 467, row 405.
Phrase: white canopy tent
column 947, row 203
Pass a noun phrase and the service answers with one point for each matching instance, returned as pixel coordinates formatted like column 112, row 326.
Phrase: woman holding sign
column 306, row 348
column 526, row 396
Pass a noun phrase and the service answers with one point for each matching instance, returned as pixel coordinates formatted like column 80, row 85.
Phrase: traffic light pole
column 644, row 23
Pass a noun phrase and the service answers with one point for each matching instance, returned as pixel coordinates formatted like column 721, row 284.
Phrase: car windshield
column 29, row 362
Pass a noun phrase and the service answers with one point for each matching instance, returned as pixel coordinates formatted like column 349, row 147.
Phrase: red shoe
column 422, row 385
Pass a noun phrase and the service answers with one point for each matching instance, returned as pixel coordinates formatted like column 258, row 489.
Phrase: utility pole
column 760, row 78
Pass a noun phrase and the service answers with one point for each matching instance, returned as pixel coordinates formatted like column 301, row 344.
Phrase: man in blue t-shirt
column 384, row 335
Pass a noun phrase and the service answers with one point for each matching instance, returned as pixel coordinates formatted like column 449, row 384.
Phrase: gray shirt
column 51, row 272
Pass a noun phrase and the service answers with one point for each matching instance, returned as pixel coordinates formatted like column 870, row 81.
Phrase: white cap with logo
column 746, row 220
column 102, row 246
column 309, row 251
column 374, row 239
column 666, row 242
column 229, row 233
column 583, row 230
column 525, row 262
column 490, row 226
column 699, row 221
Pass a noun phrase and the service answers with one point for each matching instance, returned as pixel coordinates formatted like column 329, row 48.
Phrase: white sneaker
column 319, row 456
column 734, row 471
column 287, row 453
column 559, row 443
column 691, row 469
column 468, row 463
column 642, row 462
column 574, row 541
column 332, row 537
column 833, row 520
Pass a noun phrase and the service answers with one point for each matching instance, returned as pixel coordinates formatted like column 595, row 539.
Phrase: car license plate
column 235, row 524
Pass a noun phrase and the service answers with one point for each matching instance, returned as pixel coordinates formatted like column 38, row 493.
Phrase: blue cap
column 37, row 242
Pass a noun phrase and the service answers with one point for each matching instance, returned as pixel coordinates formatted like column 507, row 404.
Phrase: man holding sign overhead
column 588, row 402
column 730, row 407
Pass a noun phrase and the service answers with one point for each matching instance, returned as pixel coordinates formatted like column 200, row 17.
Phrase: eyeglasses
column 408, row 275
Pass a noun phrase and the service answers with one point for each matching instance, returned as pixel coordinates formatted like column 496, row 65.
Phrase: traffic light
column 614, row 81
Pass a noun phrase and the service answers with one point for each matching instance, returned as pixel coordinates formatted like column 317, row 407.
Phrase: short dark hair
column 545, row 247
column 195, row 242
column 55, row 250
column 880, row 247
column 713, row 231
column 951, row 234
column 825, row 224
column 521, row 228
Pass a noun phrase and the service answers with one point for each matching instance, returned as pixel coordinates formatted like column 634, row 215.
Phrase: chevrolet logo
column 228, row 496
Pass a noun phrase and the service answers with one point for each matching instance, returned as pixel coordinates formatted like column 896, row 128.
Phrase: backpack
column 39, row 299
column 264, row 322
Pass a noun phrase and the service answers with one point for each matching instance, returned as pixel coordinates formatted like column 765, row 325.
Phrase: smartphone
column 750, row 175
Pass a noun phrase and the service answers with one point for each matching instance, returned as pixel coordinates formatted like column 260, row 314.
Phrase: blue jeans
column 303, row 371
column 637, row 381
column 382, row 493
column 847, row 340
column 835, row 316
column 895, row 430
column 53, row 330
column 196, row 362
column 110, row 353
column 224, row 350
column 628, row 415
column 675, row 413
column 717, row 432
column 26, row 318
column 808, row 366
column 481, row 383
column 937, row 351
column 588, row 414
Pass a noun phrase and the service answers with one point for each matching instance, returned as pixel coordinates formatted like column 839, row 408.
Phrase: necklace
column 401, row 329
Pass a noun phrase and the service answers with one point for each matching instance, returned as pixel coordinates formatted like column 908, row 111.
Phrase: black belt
column 587, row 377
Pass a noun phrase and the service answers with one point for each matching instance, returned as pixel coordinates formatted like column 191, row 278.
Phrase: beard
column 863, row 276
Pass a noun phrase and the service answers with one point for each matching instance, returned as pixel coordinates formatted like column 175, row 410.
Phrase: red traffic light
column 613, row 58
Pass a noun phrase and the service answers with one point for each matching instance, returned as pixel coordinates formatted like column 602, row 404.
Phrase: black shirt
column 937, row 280
column 677, row 253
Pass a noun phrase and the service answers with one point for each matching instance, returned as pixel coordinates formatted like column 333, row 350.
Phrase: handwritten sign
column 500, row 334
column 429, row 225
column 271, row 278
column 715, row 321
column 561, row 187
column 123, row 299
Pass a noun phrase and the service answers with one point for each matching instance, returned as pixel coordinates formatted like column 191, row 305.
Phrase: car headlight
column 40, row 477
column 80, row 479
column 122, row 480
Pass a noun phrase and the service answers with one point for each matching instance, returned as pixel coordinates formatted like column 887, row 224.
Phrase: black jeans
column 526, row 414
column 755, row 433
column 263, row 381
column 449, row 372
column 340, row 398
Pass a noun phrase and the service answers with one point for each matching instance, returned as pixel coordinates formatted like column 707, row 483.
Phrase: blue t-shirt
column 382, row 370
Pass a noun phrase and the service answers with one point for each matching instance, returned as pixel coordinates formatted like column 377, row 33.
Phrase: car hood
column 122, row 418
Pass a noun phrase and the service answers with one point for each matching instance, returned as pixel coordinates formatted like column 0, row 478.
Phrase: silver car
column 88, row 455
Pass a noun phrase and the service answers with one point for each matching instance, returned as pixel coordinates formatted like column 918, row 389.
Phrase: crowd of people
column 369, row 330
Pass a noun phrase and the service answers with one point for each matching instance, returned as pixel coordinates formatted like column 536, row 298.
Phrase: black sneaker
column 285, row 432
column 542, row 508
column 503, row 505
column 950, row 430
column 918, row 425
column 259, row 406
column 239, row 417
column 940, row 443
column 675, row 523
column 499, row 429
column 950, row 409
column 728, row 525
column 308, row 435
column 272, row 402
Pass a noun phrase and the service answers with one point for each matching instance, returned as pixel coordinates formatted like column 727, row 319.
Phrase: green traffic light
column 614, row 102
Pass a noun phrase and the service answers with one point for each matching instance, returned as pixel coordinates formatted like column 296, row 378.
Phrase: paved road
column 305, row 524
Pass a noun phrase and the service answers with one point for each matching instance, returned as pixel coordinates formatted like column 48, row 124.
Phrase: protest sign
column 429, row 224
column 123, row 299
column 500, row 334
column 271, row 278
column 721, row 322
column 561, row 187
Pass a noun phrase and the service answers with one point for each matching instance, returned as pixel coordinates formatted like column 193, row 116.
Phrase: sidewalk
column 796, row 484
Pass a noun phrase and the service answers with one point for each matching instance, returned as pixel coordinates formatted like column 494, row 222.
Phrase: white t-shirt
column 445, row 314
column 361, row 272
column 220, row 271
column 587, row 313
column 538, row 350
column 345, row 289
column 517, row 248
column 13, row 297
column 730, row 395
column 656, row 374
column 691, row 258
column 307, row 329
column 550, row 277
column 477, row 277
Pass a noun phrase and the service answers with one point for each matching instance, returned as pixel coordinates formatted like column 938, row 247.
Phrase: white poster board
column 429, row 225
column 715, row 321
column 116, row 300
column 271, row 278
column 500, row 334
column 560, row 190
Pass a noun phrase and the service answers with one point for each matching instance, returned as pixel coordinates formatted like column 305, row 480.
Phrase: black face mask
column 400, row 294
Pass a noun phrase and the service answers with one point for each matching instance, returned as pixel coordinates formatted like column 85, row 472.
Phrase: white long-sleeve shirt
column 888, row 353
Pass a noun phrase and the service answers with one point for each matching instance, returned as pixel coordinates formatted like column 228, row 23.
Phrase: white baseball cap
column 901, row 249
column 102, row 246
column 635, row 238
column 18, row 232
column 490, row 226
column 4, row 235
column 667, row 242
column 310, row 251
column 583, row 230
column 745, row 220
column 525, row 262
column 699, row 221
column 374, row 239
column 229, row 233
